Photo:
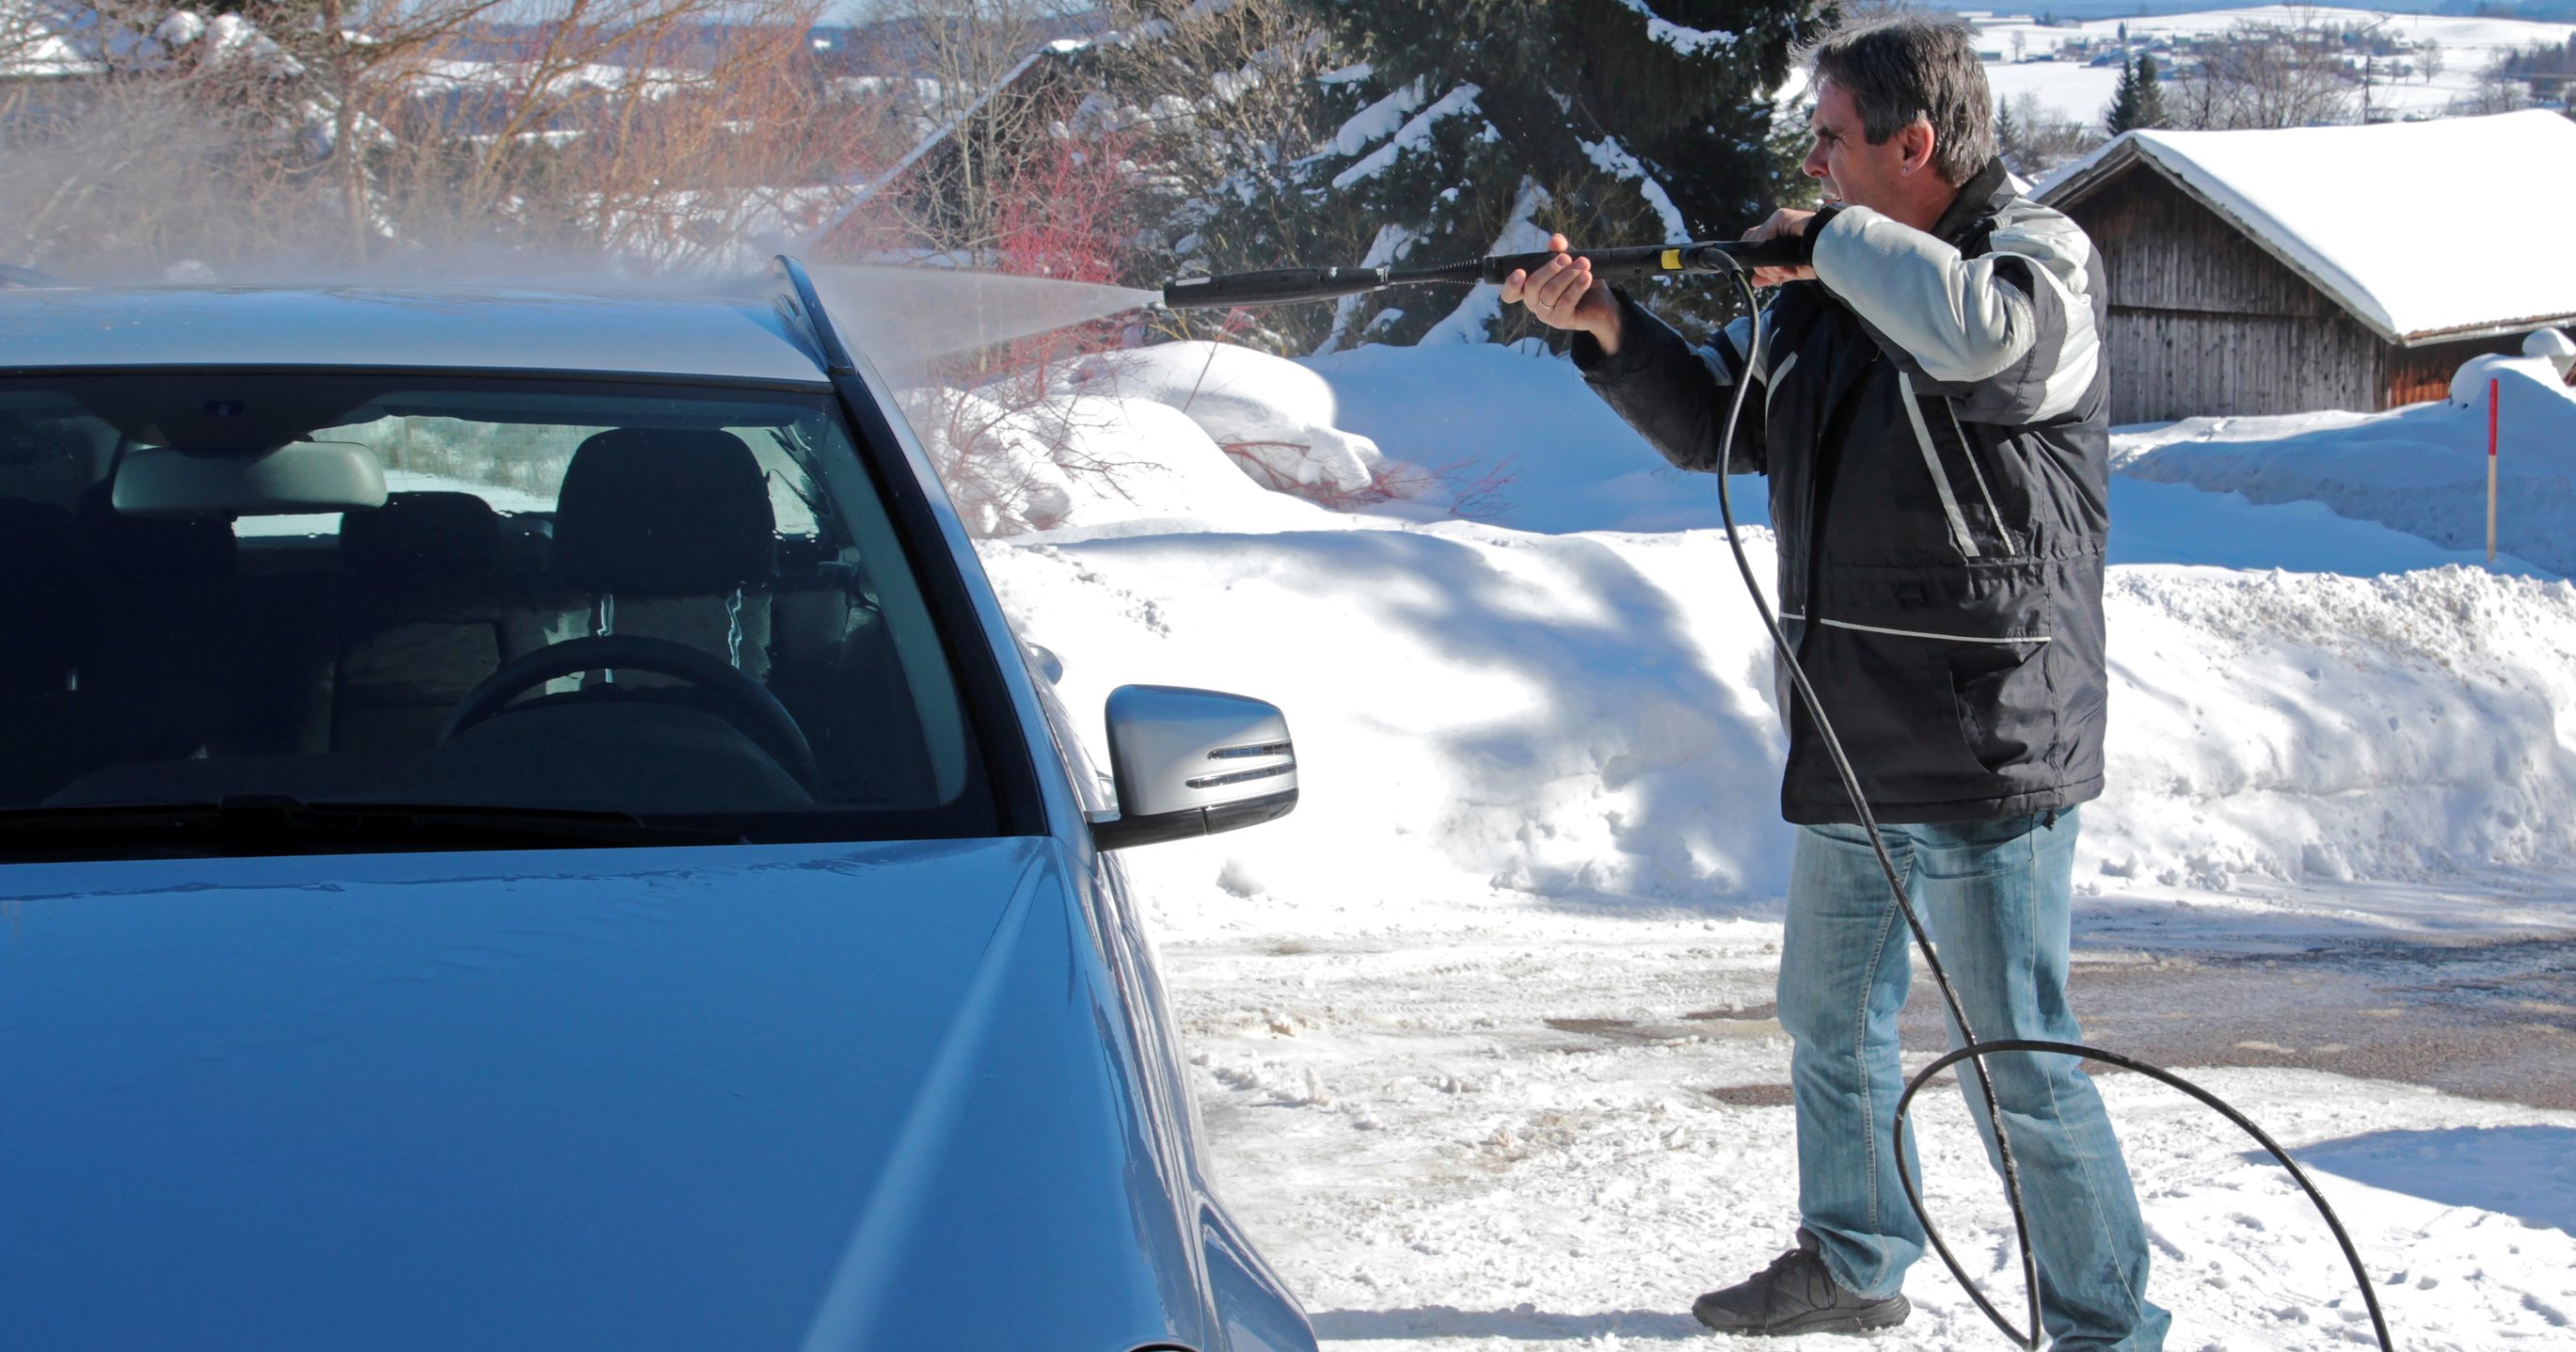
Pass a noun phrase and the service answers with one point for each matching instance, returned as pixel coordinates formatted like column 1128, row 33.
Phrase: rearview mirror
column 298, row 477
column 1193, row 763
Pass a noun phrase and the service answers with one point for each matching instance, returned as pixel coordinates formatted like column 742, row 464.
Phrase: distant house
column 2323, row 267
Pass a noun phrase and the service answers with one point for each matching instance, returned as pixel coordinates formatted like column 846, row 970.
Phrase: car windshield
column 308, row 599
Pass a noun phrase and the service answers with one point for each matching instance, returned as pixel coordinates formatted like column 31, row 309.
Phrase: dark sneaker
column 1796, row 1295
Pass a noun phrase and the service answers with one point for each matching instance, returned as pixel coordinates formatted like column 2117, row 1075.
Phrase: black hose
column 1981, row 1050
column 1971, row 1051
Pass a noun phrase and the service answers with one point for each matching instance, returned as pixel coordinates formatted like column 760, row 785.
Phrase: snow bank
column 1571, row 717
column 1566, row 462
column 1585, row 717
column 2315, row 726
column 2420, row 469
column 1589, row 718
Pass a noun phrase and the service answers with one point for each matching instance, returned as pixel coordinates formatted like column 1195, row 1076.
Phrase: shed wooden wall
column 2411, row 375
column 2204, row 322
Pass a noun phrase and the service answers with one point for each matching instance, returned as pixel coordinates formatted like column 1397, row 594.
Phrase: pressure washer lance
column 1736, row 261
column 1280, row 285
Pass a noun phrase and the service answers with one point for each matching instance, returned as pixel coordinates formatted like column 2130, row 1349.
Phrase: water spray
column 1737, row 261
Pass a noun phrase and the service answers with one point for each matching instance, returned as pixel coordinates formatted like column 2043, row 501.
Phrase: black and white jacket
column 1931, row 412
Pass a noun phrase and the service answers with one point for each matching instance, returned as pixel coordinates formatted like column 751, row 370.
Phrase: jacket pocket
column 2005, row 710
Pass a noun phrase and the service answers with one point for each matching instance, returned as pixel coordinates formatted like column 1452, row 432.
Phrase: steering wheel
column 739, row 700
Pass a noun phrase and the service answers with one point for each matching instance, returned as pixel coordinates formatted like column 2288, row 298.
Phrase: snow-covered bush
column 1173, row 431
column 1089, row 461
column 1273, row 417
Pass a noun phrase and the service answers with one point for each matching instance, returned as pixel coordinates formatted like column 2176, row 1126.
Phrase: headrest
column 651, row 512
column 150, row 548
column 423, row 538
column 45, row 603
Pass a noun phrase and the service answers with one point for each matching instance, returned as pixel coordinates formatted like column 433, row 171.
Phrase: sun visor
column 301, row 476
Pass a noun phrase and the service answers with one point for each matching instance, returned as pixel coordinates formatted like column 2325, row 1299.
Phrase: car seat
column 670, row 530
column 54, row 726
column 422, row 623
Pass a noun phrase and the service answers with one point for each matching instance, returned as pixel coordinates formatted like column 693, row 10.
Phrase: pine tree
column 2007, row 136
column 2151, row 93
column 1477, row 126
column 2125, row 112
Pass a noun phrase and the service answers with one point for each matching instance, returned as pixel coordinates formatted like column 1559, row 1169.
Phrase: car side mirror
column 1193, row 763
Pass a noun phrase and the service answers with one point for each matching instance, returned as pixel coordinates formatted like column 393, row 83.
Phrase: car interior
column 676, row 604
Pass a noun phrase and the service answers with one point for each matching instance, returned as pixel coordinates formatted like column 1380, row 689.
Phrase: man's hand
column 1564, row 294
column 1786, row 223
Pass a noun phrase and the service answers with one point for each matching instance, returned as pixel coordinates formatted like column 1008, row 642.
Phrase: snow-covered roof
column 2422, row 230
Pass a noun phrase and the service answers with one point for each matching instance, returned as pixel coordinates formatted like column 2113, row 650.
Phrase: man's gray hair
column 1903, row 66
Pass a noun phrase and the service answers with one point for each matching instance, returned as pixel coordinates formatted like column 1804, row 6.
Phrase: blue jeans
column 1995, row 897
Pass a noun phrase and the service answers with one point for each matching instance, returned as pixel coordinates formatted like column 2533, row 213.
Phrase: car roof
column 738, row 337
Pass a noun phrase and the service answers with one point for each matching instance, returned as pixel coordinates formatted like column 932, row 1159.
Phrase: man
column 1928, row 402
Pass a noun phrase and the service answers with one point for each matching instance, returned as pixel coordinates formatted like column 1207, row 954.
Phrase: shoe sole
column 1867, row 1320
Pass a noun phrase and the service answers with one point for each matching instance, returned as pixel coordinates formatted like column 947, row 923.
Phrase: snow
column 182, row 27
column 1614, row 158
column 1415, row 132
column 549, row 80
column 2321, row 198
column 1270, row 414
column 1377, row 121
column 2420, row 469
column 1101, row 464
column 1572, row 464
column 2468, row 44
column 1687, row 41
column 1480, row 1030
column 1586, row 710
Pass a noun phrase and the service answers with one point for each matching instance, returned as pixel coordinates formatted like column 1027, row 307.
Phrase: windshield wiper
column 263, row 824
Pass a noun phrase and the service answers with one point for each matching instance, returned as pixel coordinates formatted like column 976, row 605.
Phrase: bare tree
column 2045, row 136
column 2267, row 75
column 984, row 90
column 670, row 132
column 2497, row 92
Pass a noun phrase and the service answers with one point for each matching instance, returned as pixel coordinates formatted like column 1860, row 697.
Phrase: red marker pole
column 2494, row 390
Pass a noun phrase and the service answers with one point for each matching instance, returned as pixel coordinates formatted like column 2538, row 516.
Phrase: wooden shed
column 2323, row 267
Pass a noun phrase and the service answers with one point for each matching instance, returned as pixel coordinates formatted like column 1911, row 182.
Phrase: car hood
column 740, row 1098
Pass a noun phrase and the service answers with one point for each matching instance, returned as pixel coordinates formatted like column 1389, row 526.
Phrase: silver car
column 523, row 826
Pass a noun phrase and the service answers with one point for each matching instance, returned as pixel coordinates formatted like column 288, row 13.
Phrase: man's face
column 1854, row 171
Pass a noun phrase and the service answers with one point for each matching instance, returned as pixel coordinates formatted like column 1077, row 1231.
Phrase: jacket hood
column 639, row 1098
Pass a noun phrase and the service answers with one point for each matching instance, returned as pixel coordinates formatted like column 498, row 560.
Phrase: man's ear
column 1916, row 141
